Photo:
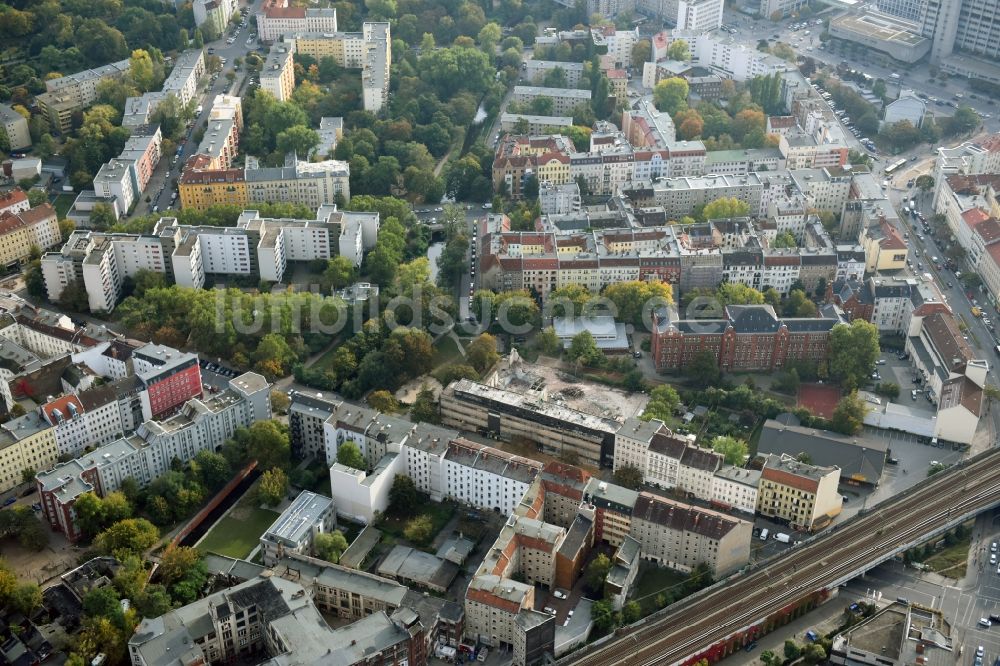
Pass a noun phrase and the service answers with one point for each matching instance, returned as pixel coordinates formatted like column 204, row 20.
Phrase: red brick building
column 748, row 338
column 170, row 378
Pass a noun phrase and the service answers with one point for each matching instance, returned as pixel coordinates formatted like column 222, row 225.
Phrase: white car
column 559, row 594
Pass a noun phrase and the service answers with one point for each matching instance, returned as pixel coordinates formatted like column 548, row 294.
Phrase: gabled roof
column 753, row 318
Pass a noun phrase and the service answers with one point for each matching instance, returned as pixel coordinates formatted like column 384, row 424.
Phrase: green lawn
column 651, row 581
column 237, row 537
column 951, row 561
column 446, row 351
column 62, row 204
column 439, row 512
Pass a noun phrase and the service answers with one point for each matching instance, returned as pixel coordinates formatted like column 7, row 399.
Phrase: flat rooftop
column 880, row 26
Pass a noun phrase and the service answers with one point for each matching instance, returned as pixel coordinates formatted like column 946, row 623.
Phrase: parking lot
column 215, row 376
column 901, row 373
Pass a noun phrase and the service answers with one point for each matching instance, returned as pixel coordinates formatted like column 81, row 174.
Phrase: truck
column 782, row 537
column 976, row 312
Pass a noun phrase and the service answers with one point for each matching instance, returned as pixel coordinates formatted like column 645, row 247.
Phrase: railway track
column 749, row 598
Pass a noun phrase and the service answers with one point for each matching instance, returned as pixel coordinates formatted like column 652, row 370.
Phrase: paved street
column 161, row 185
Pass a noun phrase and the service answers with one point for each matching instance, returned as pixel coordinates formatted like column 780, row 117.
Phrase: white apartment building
column 681, row 536
column 563, row 99
column 114, row 181
column 294, row 530
column 699, row 15
column 277, row 19
column 277, row 76
column 670, row 461
column 313, row 184
column 618, row 43
column 15, row 126
column 536, row 70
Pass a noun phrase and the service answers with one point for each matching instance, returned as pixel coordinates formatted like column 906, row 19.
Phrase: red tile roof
column 975, row 216
column 12, row 198
column 62, row 404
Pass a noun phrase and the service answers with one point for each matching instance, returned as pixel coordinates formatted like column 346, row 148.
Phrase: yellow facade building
column 200, row 189
column 26, row 443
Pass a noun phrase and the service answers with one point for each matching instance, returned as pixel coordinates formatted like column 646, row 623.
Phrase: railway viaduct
column 723, row 618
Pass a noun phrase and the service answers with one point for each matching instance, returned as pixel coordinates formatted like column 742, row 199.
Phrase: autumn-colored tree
column 689, row 124
column 746, row 121
column 176, row 561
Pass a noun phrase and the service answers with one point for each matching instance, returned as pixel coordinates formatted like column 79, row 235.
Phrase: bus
column 895, row 166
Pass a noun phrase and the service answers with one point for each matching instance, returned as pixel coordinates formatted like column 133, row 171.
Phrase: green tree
column 735, row 293
column 583, row 348
column 784, row 239
column 604, row 616
column 330, row 546
column 703, row 369
column 548, row 342
column 273, row 356
column 26, row 598
column 849, row 415
column 383, row 401
column 349, row 454
column 481, row 353
column 813, row 653
column 176, row 562
column 404, row 499
column 642, row 50
column 629, row 476
column 297, row 139
column 854, row 349
column 272, row 487
column 679, row 50
column 734, row 450
column 632, row 611
column 769, row 658
column 267, row 443
column 425, row 407
column 102, row 216
column 596, row 572
column 636, row 299
column 133, row 536
column 725, row 208
column 89, row 510
column 925, row 182
column 670, row 95
column 791, row 650
column 419, row 530
column 799, row 305
column 663, row 402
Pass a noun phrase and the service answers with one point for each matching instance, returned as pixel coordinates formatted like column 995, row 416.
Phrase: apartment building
column 681, row 536
column 307, row 414
column 114, row 181
column 369, row 50
column 803, row 495
column 66, row 95
column 143, row 152
column 312, row 184
column 885, row 250
column 15, row 127
column 48, row 334
column 748, row 338
column 13, row 202
column 212, row 16
column 500, row 611
column 27, row 443
column 514, row 122
column 202, row 188
column 331, row 131
column 275, row 617
column 535, row 71
column 93, row 416
column 277, row 75
column 21, row 232
column 469, row 405
column 257, row 246
column 147, row 454
column 615, row 44
column 670, row 461
column 182, row 83
column 677, row 196
column 611, row 506
column 169, row 377
column 275, row 18
column 563, row 99
column 293, row 531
